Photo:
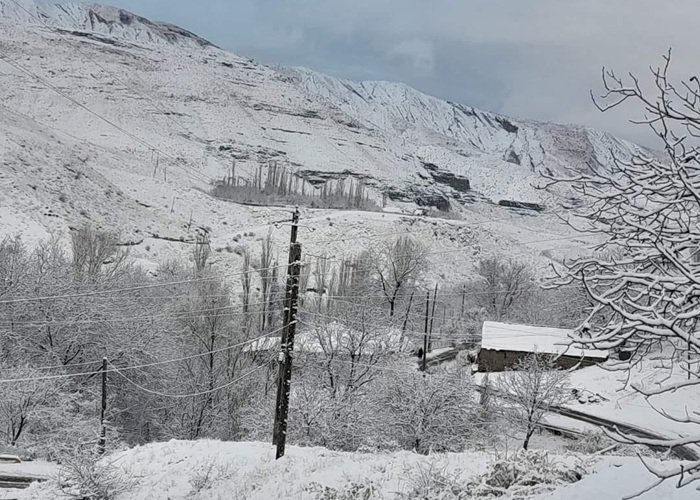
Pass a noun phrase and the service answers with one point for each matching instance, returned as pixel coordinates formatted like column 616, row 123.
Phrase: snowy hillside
column 111, row 118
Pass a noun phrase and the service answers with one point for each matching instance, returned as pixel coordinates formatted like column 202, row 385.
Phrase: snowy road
column 682, row 452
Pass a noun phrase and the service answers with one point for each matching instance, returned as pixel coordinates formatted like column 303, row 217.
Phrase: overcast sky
column 527, row 58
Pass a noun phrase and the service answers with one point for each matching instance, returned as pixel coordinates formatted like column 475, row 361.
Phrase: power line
column 442, row 302
column 180, row 315
column 194, row 394
column 455, row 338
column 134, row 288
column 121, row 129
column 136, row 367
column 562, row 238
column 464, row 225
column 98, row 64
column 451, row 294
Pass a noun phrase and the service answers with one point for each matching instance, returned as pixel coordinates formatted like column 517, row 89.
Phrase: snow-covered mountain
column 402, row 111
column 100, row 20
column 113, row 118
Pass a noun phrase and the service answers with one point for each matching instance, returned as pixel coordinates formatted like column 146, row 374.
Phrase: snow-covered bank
column 615, row 478
column 224, row 470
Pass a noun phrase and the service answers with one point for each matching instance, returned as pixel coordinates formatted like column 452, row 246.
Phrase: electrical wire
column 194, row 394
column 450, row 294
column 197, row 175
column 145, row 365
column 134, row 288
column 182, row 315
column 158, row 106
column 417, row 334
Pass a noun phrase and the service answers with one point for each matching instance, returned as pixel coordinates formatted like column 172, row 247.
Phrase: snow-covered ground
column 615, row 478
column 610, row 395
column 216, row 471
column 622, row 403
column 38, row 469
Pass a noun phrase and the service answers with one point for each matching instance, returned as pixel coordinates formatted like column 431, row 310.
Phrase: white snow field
column 216, row 470
column 621, row 403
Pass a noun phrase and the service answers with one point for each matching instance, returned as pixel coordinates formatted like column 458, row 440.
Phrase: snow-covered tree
column 502, row 284
column 22, row 401
column 644, row 281
column 434, row 412
column 398, row 264
column 527, row 392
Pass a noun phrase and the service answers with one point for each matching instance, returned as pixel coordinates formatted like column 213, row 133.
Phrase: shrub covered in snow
column 83, row 476
column 528, row 472
column 430, row 482
column 351, row 491
column 596, row 442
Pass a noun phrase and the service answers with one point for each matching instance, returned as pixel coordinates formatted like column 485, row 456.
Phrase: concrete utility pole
column 279, row 435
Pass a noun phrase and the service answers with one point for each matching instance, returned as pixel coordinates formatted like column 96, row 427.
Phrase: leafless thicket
column 350, row 348
column 274, row 184
column 503, row 283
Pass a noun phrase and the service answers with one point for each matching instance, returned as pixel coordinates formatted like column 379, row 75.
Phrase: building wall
column 498, row 361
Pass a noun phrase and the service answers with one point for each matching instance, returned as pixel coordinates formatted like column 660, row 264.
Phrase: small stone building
column 504, row 344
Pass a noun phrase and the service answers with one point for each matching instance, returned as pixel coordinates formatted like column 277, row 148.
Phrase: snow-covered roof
column 337, row 335
column 523, row 338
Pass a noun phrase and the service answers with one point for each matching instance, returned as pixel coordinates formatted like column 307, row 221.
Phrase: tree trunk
column 528, row 435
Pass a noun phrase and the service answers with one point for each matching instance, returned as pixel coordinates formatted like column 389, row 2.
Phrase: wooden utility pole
column 432, row 318
column 103, row 430
column 291, row 298
column 425, row 330
column 155, row 166
column 464, row 295
column 405, row 319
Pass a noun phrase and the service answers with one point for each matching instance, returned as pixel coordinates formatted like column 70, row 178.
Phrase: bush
column 205, row 477
column 591, row 443
column 352, row 491
column 433, row 483
column 83, row 476
column 527, row 473
column 595, row 442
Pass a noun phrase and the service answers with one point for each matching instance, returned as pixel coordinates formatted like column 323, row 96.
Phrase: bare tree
column 268, row 278
column 96, row 254
column 645, row 281
column 201, row 253
column 398, row 264
column 13, row 265
column 21, row 401
column 246, row 289
column 502, row 284
column 429, row 413
column 529, row 391
column 206, row 329
column 349, row 349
